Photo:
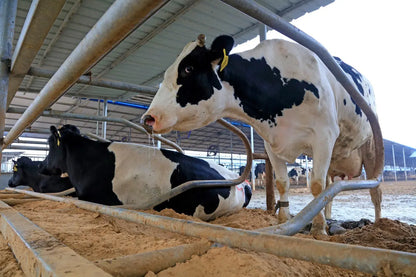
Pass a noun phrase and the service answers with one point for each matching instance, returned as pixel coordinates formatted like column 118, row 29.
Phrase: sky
column 378, row 38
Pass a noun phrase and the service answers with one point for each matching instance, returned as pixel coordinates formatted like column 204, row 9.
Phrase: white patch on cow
column 232, row 203
column 141, row 172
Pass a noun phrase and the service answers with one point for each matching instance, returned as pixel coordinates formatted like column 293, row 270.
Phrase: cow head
column 188, row 97
column 20, row 168
column 56, row 159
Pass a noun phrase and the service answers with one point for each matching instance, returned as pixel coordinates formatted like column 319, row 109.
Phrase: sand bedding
column 96, row 237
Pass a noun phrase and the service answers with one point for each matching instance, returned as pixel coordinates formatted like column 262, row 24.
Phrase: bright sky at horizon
column 377, row 38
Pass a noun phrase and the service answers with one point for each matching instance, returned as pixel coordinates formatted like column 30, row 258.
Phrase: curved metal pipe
column 271, row 19
column 58, row 114
column 354, row 257
column 204, row 183
column 305, row 216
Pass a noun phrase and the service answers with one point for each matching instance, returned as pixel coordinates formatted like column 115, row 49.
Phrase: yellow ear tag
column 224, row 60
column 14, row 168
column 59, row 135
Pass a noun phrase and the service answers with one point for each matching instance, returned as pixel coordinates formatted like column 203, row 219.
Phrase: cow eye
column 189, row 69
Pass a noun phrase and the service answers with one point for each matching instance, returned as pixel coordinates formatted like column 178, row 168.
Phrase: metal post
column 104, row 127
column 274, row 21
column 7, row 22
column 262, row 32
column 394, row 163
column 117, row 22
column 253, row 176
column 307, row 171
column 98, row 113
column 404, row 164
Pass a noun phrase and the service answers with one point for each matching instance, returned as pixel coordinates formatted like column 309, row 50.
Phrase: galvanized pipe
column 105, row 83
column 305, row 216
column 365, row 259
column 117, row 22
column 7, row 22
column 271, row 19
column 38, row 22
column 205, row 183
column 58, row 114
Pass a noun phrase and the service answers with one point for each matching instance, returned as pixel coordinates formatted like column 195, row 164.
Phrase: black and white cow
column 297, row 172
column 27, row 173
column 126, row 173
column 280, row 88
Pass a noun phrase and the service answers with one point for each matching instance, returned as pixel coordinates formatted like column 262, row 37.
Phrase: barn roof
column 141, row 59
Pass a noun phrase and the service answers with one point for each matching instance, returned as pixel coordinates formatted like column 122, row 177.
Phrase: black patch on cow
column 262, row 90
column 90, row 165
column 189, row 169
column 345, row 102
column 356, row 78
column 196, row 77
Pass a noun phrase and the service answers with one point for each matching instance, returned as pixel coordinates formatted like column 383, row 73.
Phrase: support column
column 404, row 165
column 253, row 176
column 97, row 131
column 105, row 112
column 394, row 163
column 7, row 22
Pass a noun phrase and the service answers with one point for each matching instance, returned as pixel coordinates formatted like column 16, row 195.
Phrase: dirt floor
column 96, row 237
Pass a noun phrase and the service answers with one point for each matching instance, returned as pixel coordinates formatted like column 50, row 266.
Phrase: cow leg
column 322, row 153
column 368, row 154
column 328, row 207
column 282, row 184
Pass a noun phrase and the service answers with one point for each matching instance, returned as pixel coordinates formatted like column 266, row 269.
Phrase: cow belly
column 141, row 173
column 228, row 205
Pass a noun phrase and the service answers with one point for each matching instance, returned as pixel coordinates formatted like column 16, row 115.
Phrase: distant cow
column 260, row 173
column 281, row 89
column 297, row 172
column 27, row 173
column 125, row 173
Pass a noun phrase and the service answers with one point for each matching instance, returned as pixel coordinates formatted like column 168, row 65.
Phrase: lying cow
column 27, row 173
column 280, row 88
column 125, row 173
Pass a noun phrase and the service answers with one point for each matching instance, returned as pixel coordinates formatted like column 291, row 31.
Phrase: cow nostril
column 148, row 121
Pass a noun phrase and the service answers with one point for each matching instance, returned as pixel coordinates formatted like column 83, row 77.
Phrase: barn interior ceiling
column 138, row 61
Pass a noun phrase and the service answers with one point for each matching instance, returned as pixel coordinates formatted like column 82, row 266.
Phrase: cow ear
column 53, row 130
column 221, row 47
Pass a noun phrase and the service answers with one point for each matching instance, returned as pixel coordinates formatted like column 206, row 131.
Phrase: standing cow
column 280, row 88
column 27, row 173
column 126, row 173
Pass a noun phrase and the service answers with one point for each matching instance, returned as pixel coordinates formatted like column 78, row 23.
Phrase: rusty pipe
column 366, row 259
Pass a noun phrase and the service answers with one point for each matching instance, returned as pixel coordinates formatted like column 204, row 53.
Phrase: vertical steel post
column 105, row 112
column 307, row 171
column 253, row 176
column 98, row 113
column 394, row 163
column 7, row 22
column 262, row 32
column 404, row 165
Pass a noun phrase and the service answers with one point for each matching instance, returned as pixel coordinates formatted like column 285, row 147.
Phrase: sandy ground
column 95, row 237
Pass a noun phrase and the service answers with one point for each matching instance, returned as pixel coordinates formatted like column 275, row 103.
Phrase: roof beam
column 40, row 18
